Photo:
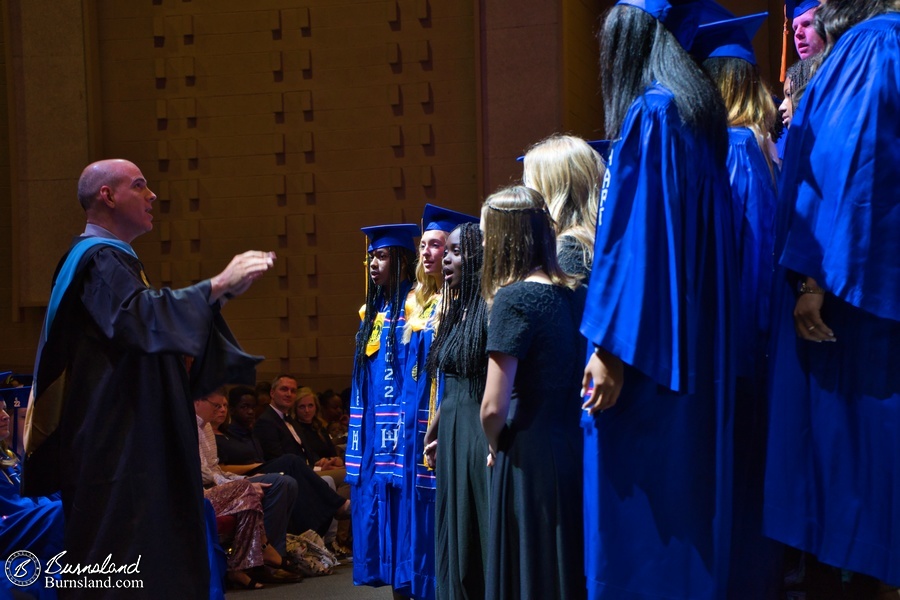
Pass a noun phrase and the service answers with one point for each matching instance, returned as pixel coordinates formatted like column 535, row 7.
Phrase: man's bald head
column 115, row 196
column 109, row 172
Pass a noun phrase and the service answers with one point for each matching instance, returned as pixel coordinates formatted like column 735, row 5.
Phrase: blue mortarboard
column 381, row 236
column 795, row 8
column 680, row 17
column 436, row 218
column 728, row 38
column 601, row 147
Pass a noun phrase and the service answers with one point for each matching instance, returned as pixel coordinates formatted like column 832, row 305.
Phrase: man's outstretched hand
column 240, row 273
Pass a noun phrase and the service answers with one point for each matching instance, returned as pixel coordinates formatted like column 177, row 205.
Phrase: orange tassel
column 785, row 38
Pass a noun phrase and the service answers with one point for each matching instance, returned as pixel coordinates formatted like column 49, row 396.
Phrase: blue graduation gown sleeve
column 640, row 292
column 753, row 195
column 841, row 176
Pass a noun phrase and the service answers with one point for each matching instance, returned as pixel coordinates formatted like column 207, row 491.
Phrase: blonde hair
column 318, row 422
column 748, row 99
column 567, row 172
column 427, row 288
column 519, row 238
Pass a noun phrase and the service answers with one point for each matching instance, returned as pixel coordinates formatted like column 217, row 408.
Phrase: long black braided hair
column 462, row 335
column 403, row 262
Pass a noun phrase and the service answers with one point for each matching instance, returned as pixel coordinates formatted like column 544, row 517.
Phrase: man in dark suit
column 273, row 427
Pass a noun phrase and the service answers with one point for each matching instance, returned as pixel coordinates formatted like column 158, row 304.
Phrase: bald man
column 112, row 424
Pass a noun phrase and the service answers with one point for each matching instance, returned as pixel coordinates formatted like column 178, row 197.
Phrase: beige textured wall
column 288, row 126
column 281, row 125
column 46, row 141
column 537, row 75
column 50, row 128
column 583, row 106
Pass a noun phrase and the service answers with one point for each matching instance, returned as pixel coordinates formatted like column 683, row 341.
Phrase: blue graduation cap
column 437, row 218
column 728, row 38
column 401, row 234
column 601, row 147
column 680, row 17
column 795, row 8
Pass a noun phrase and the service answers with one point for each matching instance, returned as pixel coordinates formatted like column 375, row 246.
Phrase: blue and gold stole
column 375, row 415
column 423, row 394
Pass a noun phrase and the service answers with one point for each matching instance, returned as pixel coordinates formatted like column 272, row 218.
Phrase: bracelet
column 806, row 289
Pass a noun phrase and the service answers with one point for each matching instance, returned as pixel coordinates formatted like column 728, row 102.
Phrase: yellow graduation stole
column 374, row 342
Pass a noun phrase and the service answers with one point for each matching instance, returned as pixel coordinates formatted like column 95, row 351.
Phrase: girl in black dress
column 458, row 357
column 531, row 408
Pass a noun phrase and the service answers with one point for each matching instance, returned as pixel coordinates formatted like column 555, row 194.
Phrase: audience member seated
column 220, row 422
column 33, row 524
column 345, row 398
column 276, row 492
column 239, row 452
column 273, row 428
column 248, row 547
column 308, row 423
column 277, row 431
column 313, row 429
column 336, row 418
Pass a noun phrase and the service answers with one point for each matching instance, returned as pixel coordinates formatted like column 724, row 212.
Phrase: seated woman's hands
column 260, row 488
column 330, row 463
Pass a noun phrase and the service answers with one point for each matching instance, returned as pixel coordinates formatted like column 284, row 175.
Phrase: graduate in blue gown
column 833, row 471
column 415, row 573
column 808, row 39
column 796, row 79
column 809, row 43
column 725, row 50
column 724, row 47
column 660, row 313
column 375, row 421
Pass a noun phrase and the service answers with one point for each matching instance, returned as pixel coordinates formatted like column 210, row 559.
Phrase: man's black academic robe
column 124, row 452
